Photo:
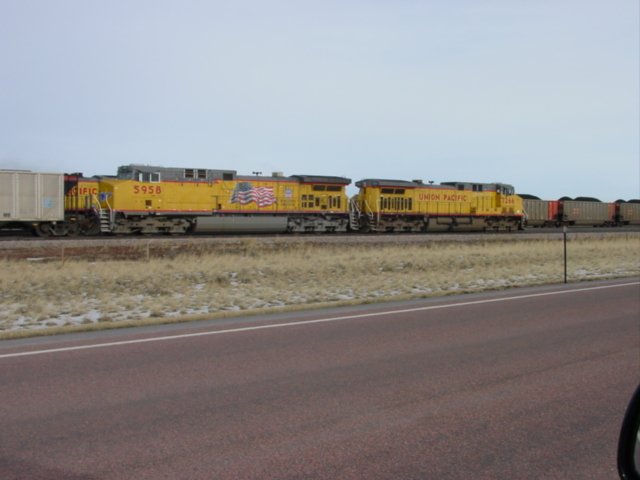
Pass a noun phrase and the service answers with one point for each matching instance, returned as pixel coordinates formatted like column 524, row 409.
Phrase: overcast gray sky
column 540, row 94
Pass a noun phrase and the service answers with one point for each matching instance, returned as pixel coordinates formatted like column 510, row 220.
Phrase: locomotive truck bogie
column 55, row 229
column 150, row 224
column 317, row 223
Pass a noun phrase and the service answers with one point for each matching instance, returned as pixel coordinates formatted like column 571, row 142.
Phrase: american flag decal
column 245, row 193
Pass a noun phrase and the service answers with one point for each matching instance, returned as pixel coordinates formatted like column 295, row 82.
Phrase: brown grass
column 36, row 296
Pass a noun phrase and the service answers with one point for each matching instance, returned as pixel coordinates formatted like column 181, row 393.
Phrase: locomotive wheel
column 43, row 230
column 91, row 229
column 73, row 229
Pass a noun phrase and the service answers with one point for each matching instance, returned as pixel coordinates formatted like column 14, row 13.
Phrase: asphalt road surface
column 527, row 383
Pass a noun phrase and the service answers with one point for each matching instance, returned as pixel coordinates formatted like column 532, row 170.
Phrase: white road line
column 310, row 322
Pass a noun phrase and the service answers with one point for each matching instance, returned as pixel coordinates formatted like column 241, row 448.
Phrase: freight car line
column 150, row 200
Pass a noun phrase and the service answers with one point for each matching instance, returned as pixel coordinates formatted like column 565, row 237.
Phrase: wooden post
column 564, row 234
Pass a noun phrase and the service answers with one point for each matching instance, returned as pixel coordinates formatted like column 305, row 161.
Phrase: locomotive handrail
column 106, row 216
column 354, row 213
column 369, row 211
column 112, row 216
column 94, row 204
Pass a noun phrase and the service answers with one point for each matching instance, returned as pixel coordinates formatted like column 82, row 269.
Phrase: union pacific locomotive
column 144, row 199
column 396, row 205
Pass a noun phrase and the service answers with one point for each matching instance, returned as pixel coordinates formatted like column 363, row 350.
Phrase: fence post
column 564, row 234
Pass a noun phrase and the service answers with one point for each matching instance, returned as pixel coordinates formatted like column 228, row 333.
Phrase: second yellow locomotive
column 402, row 206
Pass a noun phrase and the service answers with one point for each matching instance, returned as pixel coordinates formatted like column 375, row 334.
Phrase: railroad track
column 113, row 247
column 18, row 236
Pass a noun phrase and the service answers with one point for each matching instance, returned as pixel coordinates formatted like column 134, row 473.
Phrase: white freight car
column 32, row 201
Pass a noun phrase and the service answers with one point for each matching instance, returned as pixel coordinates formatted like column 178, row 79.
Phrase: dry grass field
column 49, row 296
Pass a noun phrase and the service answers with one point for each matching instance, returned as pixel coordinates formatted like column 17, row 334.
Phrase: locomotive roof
column 383, row 182
column 201, row 174
column 174, row 173
column 469, row 185
column 322, row 179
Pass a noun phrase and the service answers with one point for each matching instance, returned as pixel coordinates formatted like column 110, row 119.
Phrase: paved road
column 529, row 383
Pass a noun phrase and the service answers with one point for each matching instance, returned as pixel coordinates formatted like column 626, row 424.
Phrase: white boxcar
column 29, row 198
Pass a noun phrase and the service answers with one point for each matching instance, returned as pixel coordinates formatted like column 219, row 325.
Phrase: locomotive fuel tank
column 235, row 224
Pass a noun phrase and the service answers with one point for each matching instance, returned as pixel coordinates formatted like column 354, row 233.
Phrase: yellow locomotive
column 147, row 199
column 80, row 201
column 403, row 206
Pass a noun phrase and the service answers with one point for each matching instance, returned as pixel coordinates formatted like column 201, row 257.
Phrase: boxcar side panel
column 31, row 197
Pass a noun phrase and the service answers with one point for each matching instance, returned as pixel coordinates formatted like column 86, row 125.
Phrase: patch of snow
column 341, row 296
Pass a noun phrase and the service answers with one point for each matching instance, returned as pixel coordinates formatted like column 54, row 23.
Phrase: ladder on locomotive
column 105, row 215
column 105, row 220
column 354, row 214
